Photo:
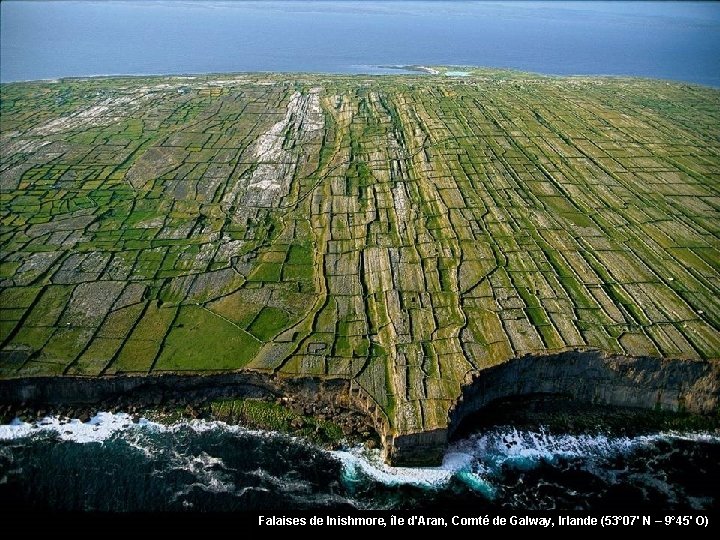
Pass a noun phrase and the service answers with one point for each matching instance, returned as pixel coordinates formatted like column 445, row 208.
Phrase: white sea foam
column 522, row 446
column 99, row 428
column 472, row 461
column 511, row 444
column 481, row 457
column 475, row 460
column 358, row 462
column 208, row 471
column 104, row 425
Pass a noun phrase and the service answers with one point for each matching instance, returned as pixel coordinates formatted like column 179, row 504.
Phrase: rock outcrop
column 584, row 376
column 402, row 235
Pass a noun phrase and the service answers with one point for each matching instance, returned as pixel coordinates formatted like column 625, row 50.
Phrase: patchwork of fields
column 403, row 232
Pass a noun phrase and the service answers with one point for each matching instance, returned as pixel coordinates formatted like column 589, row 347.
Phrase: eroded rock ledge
column 585, row 376
column 399, row 233
column 326, row 399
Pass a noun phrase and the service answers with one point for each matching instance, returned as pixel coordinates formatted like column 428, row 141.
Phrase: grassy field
column 401, row 231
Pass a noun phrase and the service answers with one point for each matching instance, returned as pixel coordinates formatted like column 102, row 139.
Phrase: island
column 411, row 248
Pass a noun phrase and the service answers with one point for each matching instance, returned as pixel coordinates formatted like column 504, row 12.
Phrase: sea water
column 112, row 463
column 672, row 40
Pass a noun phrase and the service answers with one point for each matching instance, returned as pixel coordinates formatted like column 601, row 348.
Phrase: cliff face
column 159, row 391
column 591, row 377
column 588, row 377
column 585, row 376
column 142, row 390
column 398, row 233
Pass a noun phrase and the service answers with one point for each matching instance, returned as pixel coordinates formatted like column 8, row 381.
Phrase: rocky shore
column 321, row 411
column 329, row 411
column 325, row 425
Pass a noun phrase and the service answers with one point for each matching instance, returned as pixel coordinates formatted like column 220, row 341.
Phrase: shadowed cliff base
column 577, row 386
column 323, row 411
column 579, row 378
column 399, row 233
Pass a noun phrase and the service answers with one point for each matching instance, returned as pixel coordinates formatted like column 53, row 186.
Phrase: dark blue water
column 673, row 40
column 113, row 464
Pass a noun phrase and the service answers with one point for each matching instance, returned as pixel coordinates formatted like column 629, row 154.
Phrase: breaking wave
column 115, row 463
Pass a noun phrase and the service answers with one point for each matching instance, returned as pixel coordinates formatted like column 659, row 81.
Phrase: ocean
column 112, row 463
column 669, row 40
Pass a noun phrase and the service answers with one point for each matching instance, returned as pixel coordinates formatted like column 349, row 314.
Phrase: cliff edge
column 422, row 238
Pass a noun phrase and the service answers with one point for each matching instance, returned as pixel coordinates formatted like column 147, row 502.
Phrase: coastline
column 336, row 428
column 267, row 308
column 387, row 70
column 575, row 390
column 327, row 427
column 237, row 399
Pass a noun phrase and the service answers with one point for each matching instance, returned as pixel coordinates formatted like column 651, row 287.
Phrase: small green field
column 401, row 231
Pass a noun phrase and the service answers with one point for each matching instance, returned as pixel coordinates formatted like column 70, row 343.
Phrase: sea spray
column 114, row 463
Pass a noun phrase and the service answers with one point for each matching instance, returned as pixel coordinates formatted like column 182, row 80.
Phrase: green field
column 401, row 231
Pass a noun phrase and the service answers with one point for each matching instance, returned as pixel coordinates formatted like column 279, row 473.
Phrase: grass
column 32, row 337
column 50, row 305
column 275, row 417
column 8, row 269
column 269, row 322
column 200, row 340
column 300, row 254
column 98, row 355
column 266, row 272
column 431, row 227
